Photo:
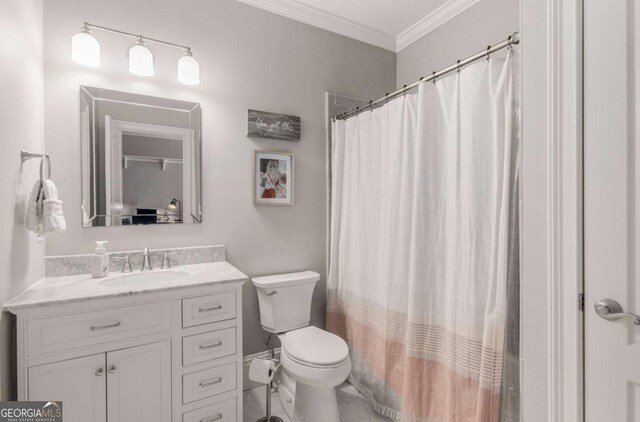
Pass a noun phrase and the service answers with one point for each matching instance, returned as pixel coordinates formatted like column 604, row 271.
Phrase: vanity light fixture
column 140, row 59
column 188, row 69
column 85, row 50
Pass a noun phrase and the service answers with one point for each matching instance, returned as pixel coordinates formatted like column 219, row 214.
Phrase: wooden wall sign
column 262, row 124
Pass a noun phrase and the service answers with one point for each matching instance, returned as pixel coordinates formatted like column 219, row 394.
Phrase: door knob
column 112, row 369
column 611, row 310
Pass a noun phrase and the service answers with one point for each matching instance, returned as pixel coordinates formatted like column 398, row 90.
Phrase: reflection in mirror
column 141, row 159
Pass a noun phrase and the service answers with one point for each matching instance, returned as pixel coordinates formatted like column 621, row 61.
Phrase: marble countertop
column 76, row 288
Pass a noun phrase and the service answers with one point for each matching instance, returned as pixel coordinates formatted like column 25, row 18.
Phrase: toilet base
column 315, row 404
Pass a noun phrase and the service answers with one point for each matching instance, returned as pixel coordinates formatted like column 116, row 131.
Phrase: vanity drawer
column 207, row 383
column 220, row 412
column 207, row 346
column 53, row 334
column 207, row 309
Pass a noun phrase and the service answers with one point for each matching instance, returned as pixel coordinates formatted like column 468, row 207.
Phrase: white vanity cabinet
column 160, row 355
column 80, row 383
column 132, row 384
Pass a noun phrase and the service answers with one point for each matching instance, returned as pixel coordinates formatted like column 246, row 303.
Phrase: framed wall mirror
column 141, row 159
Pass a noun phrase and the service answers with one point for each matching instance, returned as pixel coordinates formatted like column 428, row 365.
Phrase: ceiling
column 390, row 24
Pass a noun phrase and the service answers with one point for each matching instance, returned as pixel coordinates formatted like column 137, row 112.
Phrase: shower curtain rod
column 509, row 42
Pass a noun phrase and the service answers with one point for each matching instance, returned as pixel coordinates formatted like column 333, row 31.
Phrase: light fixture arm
column 132, row 35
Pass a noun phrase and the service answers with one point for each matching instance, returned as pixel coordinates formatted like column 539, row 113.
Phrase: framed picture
column 273, row 178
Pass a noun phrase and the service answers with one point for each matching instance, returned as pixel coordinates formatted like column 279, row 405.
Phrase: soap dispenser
column 100, row 260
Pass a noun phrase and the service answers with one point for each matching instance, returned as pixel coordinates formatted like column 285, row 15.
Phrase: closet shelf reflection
column 145, row 159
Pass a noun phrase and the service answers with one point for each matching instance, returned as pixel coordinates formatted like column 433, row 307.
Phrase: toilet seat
column 315, row 348
column 313, row 365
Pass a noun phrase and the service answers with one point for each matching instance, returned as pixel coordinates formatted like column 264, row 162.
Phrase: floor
column 353, row 407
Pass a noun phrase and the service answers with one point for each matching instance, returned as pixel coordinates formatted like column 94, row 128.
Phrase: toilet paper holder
column 272, row 372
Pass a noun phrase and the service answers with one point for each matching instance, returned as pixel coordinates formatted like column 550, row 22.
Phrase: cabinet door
column 139, row 383
column 79, row 383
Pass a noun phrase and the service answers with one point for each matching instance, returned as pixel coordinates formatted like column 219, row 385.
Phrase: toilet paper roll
column 262, row 370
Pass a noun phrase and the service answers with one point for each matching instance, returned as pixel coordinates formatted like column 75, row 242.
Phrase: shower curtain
column 422, row 194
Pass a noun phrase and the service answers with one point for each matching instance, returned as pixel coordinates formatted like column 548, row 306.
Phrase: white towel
column 52, row 217
column 34, row 213
column 44, row 211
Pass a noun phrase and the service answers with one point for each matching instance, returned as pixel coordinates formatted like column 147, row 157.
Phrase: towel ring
column 45, row 157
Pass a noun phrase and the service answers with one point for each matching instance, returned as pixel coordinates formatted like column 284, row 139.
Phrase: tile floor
column 353, row 407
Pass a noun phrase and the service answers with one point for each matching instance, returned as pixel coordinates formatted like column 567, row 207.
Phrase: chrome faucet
column 146, row 262
column 126, row 263
column 166, row 259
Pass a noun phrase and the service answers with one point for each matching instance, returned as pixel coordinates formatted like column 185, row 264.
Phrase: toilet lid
column 315, row 346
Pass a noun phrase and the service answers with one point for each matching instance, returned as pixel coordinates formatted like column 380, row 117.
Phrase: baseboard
column 247, row 384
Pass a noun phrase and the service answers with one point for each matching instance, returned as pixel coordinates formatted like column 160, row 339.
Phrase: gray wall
column 486, row 22
column 249, row 58
column 146, row 185
column 21, row 125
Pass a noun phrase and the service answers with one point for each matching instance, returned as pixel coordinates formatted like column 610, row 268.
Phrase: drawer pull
column 215, row 418
column 215, row 308
column 99, row 372
column 102, row 327
column 210, row 383
column 211, row 346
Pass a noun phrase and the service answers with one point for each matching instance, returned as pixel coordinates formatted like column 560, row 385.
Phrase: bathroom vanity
column 155, row 346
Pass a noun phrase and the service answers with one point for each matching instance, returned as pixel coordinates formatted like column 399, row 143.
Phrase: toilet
column 315, row 360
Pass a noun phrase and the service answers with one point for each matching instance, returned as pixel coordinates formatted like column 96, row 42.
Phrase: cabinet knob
column 112, row 369
column 99, row 372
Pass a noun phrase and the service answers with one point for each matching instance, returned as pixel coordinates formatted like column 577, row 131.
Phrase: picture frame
column 273, row 178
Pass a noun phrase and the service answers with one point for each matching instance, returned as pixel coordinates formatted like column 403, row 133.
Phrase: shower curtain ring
column 458, row 66
column 371, row 106
column 434, row 77
column 488, row 53
column 404, row 93
column 509, row 41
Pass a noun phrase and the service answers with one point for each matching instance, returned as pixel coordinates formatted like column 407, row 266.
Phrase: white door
column 612, row 209
column 139, row 383
column 79, row 383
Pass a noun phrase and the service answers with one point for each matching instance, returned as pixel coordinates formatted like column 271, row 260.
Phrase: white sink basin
column 144, row 279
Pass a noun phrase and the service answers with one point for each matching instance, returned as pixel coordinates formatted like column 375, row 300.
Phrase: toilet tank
column 285, row 300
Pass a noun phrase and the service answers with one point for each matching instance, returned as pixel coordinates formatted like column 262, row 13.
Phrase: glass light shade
column 188, row 70
column 140, row 60
column 85, row 49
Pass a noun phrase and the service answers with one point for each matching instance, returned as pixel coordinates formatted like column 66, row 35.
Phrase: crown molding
column 430, row 22
column 328, row 21
column 325, row 20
